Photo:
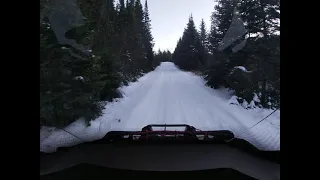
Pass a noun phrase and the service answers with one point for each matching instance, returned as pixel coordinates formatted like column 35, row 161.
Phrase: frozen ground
column 168, row 95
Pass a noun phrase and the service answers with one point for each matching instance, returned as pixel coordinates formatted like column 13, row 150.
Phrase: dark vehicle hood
column 170, row 151
column 161, row 157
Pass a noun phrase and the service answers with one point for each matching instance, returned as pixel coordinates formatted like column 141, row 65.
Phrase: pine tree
column 222, row 16
column 177, row 51
column 139, row 52
column 203, row 35
column 69, row 87
column 262, row 17
column 203, row 50
column 73, row 82
column 221, row 20
column 213, row 37
column 163, row 56
column 147, row 25
column 124, row 62
column 259, row 54
column 116, row 46
column 129, row 54
column 187, row 55
column 148, row 39
column 102, row 43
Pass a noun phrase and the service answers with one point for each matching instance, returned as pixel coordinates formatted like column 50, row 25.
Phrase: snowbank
column 233, row 100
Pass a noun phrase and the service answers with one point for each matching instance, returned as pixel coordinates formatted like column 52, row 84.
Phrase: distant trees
column 242, row 50
column 163, row 56
column 112, row 47
column 204, row 45
column 188, row 52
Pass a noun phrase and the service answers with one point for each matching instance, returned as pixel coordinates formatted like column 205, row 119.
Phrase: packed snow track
column 168, row 95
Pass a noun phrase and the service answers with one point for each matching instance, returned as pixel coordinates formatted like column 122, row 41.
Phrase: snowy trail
column 168, row 95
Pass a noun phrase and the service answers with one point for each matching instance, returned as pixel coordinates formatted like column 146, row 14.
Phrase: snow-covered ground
column 168, row 95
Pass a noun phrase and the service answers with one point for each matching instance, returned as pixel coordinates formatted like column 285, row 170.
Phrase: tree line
column 241, row 51
column 82, row 67
column 163, row 56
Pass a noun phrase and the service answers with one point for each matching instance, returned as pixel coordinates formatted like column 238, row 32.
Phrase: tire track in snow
column 132, row 106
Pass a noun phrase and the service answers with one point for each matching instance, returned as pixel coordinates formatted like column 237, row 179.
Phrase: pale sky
column 170, row 17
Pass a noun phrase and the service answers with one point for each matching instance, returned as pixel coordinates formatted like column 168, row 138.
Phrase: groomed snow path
column 168, row 95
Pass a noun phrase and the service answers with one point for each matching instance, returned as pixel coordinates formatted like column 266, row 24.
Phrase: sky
column 170, row 17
